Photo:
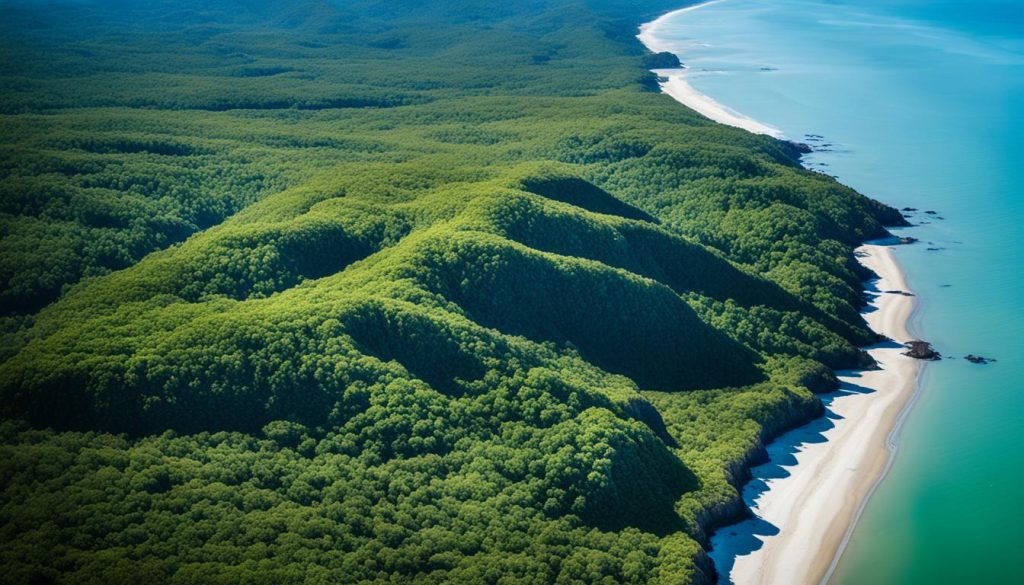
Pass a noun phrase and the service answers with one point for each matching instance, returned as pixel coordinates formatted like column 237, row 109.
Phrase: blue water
column 923, row 104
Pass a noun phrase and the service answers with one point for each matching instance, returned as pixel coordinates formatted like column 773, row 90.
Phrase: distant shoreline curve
column 675, row 81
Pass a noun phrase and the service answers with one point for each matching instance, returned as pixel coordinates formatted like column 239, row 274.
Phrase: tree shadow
column 744, row 538
column 870, row 293
column 748, row 536
column 889, row 344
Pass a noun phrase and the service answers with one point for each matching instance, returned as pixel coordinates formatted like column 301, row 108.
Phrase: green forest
column 367, row 291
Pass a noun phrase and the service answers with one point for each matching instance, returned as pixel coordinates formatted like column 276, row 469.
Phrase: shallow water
column 920, row 104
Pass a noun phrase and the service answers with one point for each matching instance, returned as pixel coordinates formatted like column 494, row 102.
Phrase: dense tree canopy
column 366, row 291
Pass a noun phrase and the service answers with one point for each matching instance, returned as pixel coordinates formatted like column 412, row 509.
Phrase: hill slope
column 353, row 292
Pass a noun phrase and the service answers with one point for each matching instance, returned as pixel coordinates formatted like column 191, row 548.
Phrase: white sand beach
column 806, row 500
column 649, row 30
column 677, row 85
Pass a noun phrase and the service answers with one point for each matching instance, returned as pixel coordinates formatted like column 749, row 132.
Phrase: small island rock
column 977, row 359
column 921, row 350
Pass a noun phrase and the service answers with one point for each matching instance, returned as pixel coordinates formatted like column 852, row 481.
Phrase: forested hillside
column 367, row 291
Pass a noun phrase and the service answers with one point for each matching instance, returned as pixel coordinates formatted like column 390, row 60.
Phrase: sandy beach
column 649, row 30
column 677, row 85
column 806, row 500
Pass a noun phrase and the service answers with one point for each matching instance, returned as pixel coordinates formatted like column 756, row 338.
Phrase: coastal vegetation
column 320, row 292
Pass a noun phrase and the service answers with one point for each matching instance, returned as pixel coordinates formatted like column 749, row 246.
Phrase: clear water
column 923, row 102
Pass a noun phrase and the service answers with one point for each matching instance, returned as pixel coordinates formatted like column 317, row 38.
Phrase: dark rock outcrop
column 921, row 350
column 908, row 240
column 977, row 359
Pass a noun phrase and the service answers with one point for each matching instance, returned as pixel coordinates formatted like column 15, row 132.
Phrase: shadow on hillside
column 581, row 193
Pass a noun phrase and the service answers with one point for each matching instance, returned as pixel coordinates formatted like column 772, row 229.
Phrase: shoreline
column 847, row 451
column 674, row 81
column 892, row 444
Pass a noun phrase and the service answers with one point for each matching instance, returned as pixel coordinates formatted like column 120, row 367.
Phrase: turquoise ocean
column 918, row 103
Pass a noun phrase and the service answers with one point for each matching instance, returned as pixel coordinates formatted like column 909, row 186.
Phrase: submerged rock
column 921, row 350
column 977, row 359
column 908, row 240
